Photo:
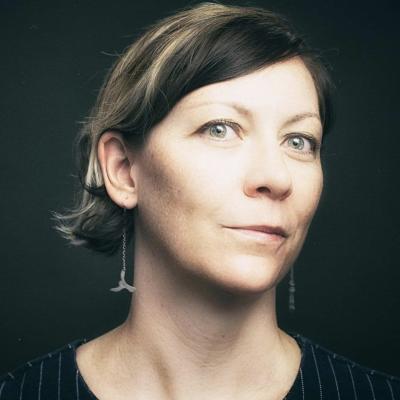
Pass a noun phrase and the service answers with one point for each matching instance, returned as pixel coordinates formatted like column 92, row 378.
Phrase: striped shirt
column 323, row 375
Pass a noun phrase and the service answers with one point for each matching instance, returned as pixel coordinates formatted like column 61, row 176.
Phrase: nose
column 267, row 173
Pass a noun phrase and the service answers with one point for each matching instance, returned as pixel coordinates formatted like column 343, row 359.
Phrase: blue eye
column 297, row 142
column 219, row 129
column 303, row 143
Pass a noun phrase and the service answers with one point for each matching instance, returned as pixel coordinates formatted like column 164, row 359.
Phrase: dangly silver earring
column 122, row 284
column 292, row 290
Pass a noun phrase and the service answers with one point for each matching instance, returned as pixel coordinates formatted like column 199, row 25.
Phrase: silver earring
column 292, row 290
column 122, row 284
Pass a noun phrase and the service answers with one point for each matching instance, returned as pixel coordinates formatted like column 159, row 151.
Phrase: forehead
column 285, row 87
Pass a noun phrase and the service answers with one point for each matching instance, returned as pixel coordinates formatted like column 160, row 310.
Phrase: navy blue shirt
column 323, row 375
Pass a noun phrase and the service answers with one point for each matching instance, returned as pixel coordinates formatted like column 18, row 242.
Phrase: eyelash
column 313, row 142
column 210, row 124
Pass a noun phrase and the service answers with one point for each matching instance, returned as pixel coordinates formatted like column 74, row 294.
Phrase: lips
column 274, row 230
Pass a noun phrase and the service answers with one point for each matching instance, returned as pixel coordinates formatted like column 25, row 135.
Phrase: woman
column 204, row 147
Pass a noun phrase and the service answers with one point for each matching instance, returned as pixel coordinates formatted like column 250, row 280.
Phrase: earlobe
column 116, row 162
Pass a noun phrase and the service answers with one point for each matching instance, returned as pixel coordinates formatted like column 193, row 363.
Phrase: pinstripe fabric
column 302, row 384
column 352, row 382
column 323, row 375
column 1, row 389
column 372, row 387
column 317, row 371
column 59, row 377
column 390, row 388
column 334, row 377
column 77, row 384
column 21, row 389
column 40, row 381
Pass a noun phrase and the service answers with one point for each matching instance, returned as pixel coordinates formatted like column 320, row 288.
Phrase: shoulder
column 334, row 375
column 42, row 377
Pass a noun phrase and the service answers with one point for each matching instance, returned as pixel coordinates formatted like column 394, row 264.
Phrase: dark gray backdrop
column 54, row 56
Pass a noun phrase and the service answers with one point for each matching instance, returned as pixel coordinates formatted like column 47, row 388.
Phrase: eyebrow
column 238, row 107
column 246, row 112
column 301, row 116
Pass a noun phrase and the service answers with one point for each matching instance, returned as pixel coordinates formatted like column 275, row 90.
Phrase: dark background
column 54, row 56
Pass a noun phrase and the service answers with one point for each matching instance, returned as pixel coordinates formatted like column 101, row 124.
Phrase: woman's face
column 239, row 153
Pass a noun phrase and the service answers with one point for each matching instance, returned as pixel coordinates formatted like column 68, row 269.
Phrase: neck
column 190, row 339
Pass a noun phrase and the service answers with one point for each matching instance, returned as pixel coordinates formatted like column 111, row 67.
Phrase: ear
column 117, row 166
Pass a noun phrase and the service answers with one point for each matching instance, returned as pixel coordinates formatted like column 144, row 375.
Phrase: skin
column 202, row 323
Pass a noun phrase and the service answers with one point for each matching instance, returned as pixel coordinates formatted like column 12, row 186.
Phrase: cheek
column 176, row 201
column 307, row 189
column 158, row 188
column 171, row 189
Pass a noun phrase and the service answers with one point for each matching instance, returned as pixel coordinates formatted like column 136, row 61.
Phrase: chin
column 249, row 275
